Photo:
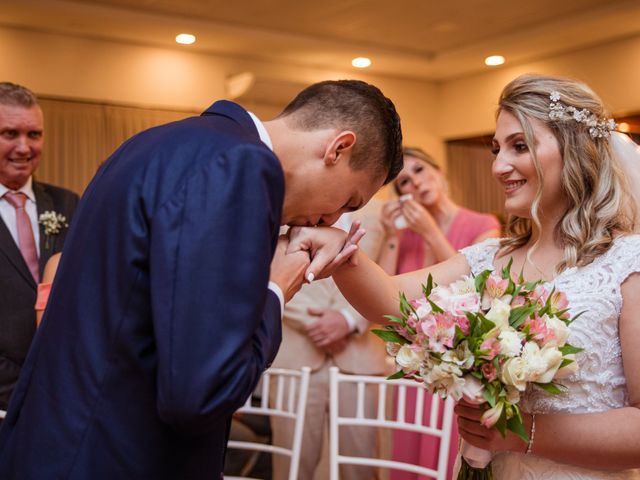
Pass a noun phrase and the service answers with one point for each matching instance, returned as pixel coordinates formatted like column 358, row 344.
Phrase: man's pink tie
column 26, row 241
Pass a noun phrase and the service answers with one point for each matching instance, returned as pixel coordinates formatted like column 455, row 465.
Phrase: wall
column 467, row 105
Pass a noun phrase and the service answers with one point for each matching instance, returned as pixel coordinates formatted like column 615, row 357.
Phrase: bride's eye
column 520, row 147
column 495, row 150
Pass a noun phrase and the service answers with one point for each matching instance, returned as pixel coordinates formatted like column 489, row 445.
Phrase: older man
column 31, row 229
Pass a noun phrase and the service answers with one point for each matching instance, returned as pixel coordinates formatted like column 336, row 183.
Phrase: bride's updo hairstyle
column 598, row 208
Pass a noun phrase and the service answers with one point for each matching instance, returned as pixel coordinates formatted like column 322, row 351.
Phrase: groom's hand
column 287, row 269
column 328, row 247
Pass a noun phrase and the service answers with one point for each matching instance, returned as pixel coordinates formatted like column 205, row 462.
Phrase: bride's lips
column 511, row 186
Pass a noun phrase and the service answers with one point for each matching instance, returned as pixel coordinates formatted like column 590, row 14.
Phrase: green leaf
column 480, row 280
column 489, row 394
column 394, row 319
column 565, row 362
column 506, row 271
column 569, row 349
column 427, row 289
column 520, row 314
column 390, row 336
column 552, row 388
column 516, row 426
column 435, row 308
column 501, row 424
column 397, row 375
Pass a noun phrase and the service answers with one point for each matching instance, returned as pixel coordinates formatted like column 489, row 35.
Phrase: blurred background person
column 27, row 237
column 322, row 330
column 423, row 227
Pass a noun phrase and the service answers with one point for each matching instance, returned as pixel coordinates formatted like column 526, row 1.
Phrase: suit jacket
column 365, row 353
column 18, row 289
column 160, row 322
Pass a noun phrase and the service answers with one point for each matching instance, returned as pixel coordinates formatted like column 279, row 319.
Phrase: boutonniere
column 53, row 224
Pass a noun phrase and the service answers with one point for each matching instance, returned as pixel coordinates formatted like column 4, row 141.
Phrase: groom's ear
column 339, row 147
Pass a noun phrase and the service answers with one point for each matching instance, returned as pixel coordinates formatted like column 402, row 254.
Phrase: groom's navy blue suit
column 160, row 322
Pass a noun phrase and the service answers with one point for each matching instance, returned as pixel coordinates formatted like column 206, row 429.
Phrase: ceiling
column 421, row 39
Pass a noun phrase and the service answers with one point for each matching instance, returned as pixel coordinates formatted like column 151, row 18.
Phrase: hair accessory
column 598, row 128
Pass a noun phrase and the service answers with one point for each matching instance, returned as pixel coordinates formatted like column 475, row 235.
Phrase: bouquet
column 484, row 338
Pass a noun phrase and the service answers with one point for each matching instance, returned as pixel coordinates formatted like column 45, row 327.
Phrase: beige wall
column 467, row 105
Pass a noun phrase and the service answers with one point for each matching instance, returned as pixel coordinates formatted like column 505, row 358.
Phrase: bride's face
column 513, row 167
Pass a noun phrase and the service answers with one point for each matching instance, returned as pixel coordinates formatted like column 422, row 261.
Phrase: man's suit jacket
column 18, row 289
column 365, row 352
column 160, row 322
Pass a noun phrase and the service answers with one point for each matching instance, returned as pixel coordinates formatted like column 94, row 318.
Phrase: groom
column 161, row 321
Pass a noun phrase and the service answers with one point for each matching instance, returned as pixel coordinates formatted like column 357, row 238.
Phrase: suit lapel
column 44, row 203
column 9, row 249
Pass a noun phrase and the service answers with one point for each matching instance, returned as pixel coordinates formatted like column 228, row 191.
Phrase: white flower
column 499, row 313
column 464, row 286
column 560, row 331
column 513, row 395
column 541, row 364
column 423, row 309
column 409, row 359
column 392, row 348
column 510, row 342
column 52, row 222
column 555, row 96
column 512, row 373
column 460, row 356
column 569, row 369
column 444, row 379
column 472, row 390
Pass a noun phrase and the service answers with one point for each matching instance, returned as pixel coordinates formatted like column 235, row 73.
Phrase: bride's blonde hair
column 598, row 205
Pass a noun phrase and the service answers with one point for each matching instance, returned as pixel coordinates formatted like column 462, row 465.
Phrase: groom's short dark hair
column 357, row 106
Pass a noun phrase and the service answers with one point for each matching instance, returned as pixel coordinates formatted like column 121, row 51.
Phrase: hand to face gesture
column 390, row 211
column 329, row 331
column 418, row 218
column 328, row 247
column 478, row 435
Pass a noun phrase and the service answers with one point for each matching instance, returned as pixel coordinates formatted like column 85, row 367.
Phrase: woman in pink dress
column 425, row 227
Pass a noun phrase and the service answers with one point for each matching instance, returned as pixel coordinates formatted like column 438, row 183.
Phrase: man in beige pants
column 322, row 330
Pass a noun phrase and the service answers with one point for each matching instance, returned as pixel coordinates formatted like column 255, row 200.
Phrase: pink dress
column 411, row 447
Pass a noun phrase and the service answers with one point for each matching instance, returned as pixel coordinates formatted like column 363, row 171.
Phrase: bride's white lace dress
column 599, row 384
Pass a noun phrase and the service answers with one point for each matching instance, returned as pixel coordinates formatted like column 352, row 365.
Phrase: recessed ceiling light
column 361, row 62
column 185, row 38
column 494, row 60
column 624, row 127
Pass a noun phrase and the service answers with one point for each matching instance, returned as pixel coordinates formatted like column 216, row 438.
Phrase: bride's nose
column 501, row 167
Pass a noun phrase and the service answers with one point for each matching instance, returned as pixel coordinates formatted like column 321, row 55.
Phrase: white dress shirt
column 8, row 212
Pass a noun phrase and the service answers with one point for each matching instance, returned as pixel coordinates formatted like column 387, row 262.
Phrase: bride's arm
column 605, row 441
column 374, row 293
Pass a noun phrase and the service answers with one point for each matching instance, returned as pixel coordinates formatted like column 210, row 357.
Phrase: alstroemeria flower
column 491, row 416
column 410, row 358
column 540, row 330
column 496, row 286
column 490, row 345
column 440, row 330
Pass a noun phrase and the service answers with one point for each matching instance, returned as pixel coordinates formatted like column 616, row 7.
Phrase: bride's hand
column 328, row 247
column 478, row 435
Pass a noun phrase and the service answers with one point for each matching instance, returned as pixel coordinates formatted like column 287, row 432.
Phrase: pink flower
column 463, row 323
column 491, row 345
column 539, row 329
column 440, row 329
column 540, row 295
column 496, row 286
column 468, row 302
column 491, row 416
column 489, row 371
column 518, row 301
column 559, row 302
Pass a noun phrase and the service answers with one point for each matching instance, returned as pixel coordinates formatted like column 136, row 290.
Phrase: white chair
column 296, row 385
column 2, row 414
column 425, row 426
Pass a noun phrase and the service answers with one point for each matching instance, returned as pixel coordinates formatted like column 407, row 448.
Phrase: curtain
column 79, row 136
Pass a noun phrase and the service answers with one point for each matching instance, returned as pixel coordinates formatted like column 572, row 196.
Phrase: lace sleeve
column 480, row 255
column 624, row 258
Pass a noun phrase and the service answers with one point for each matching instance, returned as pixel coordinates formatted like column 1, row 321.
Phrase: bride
column 571, row 224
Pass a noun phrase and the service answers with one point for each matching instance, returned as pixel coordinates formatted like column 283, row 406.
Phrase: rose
column 510, row 342
column 541, row 364
column 409, row 358
column 489, row 372
column 513, row 373
column 499, row 313
column 445, row 379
